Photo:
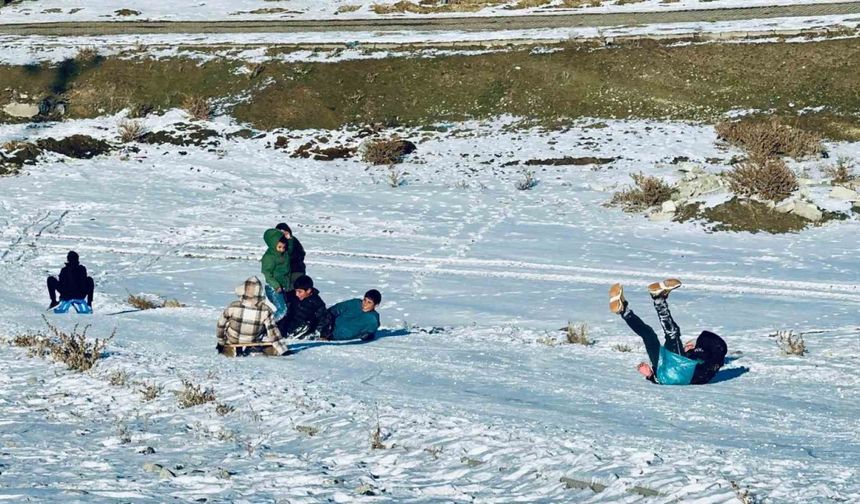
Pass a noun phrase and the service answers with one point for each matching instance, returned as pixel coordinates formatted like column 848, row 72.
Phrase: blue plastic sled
column 80, row 306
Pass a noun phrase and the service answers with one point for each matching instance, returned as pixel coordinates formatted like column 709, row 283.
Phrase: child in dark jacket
column 695, row 363
column 306, row 311
column 73, row 284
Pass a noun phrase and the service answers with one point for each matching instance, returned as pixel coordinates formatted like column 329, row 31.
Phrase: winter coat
column 303, row 315
column 710, row 351
column 297, row 257
column 276, row 266
column 697, row 366
column 73, row 282
column 351, row 322
column 249, row 319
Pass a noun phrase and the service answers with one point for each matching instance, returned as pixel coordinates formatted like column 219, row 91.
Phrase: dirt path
column 428, row 23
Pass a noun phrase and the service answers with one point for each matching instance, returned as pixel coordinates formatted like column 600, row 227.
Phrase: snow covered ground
column 474, row 401
column 253, row 47
column 197, row 10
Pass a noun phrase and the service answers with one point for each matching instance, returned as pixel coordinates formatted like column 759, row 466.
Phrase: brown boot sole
column 616, row 298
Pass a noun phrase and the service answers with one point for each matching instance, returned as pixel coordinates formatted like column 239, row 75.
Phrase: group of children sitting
column 289, row 306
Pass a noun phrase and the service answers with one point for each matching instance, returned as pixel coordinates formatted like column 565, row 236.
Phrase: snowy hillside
column 103, row 10
column 475, row 395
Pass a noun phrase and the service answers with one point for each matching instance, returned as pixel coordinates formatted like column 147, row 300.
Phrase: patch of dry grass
column 647, row 192
column 223, row 409
column 769, row 138
column 767, row 178
column 790, row 343
column 150, row 390
column 193, row 395
column 145, row 302
column 72, row 348
column 528, row 181
column 577, row 334
column 197, row 107
column 130, row 130
column 842, row 172
column 87, row 54
column 622, row 347
column 118, row 378
column 385, row 151
column 434, row 6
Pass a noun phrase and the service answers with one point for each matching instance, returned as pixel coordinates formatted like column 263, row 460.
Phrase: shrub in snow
column 130, row 130
column 118, row 378
column 528, row 181
column 386, row 151
column 767, row 178
column 197, row 107
column 193, row 395
column 150, row 391
column 790, row 343
column 577, row 334
column 770, row 138
column 842, row 173
column 71, row 348
column 648, row 192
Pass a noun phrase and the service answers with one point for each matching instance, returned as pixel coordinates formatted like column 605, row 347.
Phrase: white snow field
column 202, row 10
column 474, row 401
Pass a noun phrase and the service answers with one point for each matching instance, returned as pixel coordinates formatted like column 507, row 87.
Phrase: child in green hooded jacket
column 276, row 269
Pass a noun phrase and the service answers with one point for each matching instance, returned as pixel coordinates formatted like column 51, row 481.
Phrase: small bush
column 769, row 138
column 130, row 131
column 197, row 107
column 140, row 110
column 648, row 192
column 71, row 348
column 577, row 334
column 118, row 378
column 309, row 430
column 142, row 303
column 622, row 348
column 842, row 173
column 790, row 343
column 192, row 395
column 87, row 54
column 396, row 178
column 528, row 181
column 387, row 151
column 767, row 178
column 223, row 409
column 150, row 391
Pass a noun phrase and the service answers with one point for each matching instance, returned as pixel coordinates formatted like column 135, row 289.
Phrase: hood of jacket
column 271, row 237
column 251, row 290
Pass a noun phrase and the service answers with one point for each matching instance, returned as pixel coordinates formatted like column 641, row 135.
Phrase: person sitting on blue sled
column 674, row 363
column 74, row 286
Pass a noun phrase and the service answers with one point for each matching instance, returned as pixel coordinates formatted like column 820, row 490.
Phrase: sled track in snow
column 477, row 268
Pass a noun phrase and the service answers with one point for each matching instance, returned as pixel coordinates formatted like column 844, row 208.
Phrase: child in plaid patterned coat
column 249, row 319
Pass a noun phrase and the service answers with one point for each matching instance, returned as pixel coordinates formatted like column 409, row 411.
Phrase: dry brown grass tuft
column 142, row 302
column 386, row 151
column 529, row 4
column 648, row 192
column 193, row 395
column 118, row 378
column 434, row 6
column 767, row 178
column 769, row 138
column 581, row 3
column 223, row 409
column 150, row 391
column 130, row 130
column 842, row 172
column 347, row 8
column 577, row 334
column 197, row 107
column 87, row 54
column 71, row 348
column 621, row 347
column 790, row 343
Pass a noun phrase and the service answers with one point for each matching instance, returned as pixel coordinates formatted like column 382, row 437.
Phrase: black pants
column 54, row 287
column 652, row 343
